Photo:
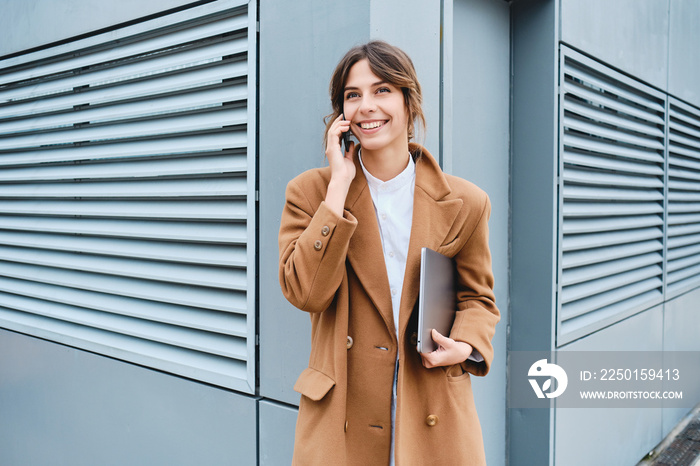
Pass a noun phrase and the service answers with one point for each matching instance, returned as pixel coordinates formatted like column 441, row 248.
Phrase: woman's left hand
column 449, row 352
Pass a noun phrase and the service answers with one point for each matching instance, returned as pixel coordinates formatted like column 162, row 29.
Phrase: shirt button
column 431, row 420
column 391, row 253
column 349, row 342
column 325, row 230
column 318, row 245
column 393, row 291
column 383, row 216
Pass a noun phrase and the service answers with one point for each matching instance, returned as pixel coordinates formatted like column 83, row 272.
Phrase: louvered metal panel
column 683, row 256
column 611, row 196
column 127, row 193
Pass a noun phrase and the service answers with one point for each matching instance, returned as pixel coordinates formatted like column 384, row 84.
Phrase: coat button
column 325, row 230
column 414, row 339
column 349, row 342
column 346, row 426
column 431, row 420
column 318, row 245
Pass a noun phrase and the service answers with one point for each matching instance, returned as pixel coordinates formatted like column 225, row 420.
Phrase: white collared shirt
column 393, row 204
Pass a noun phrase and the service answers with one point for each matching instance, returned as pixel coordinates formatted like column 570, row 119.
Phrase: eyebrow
column 349, row 88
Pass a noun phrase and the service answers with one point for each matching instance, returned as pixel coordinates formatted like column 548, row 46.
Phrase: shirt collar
column 397, row 182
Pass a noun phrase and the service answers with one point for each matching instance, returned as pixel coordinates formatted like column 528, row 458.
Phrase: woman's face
column 376, row 109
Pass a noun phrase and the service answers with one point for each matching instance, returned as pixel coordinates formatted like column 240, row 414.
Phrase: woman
column 350, row 241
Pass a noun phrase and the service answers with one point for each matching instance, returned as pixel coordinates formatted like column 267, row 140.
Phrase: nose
column 367, row 105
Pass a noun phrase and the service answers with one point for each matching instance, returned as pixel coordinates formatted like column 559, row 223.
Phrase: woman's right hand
column 342, row 165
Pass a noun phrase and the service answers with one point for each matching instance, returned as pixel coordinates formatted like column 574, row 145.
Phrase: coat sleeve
column 313, row 246
column 477, row 314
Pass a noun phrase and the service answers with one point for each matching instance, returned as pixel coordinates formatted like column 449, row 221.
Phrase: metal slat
column 200, row 231
column 145, row 107
column 193, row 209
column 685, row 274
column 608, row 253
column 592, row 225
column 677, row 160
column 596, row 97
column 588, row 273
column 191, row 339
column 205, row 187
column 610, row 117
column 196, row 121
column 682, row 219
column 578, row 291
column 589, row 144
column 608, row 163
column 206, row 254
column 217, row 277
column 685, row 207
column 675, row 174
column 596, row 240
column 128, row 71
column 173, row 81
column 598, row 209
column 198, row 165
column 614, row 86
column 684, row 262
column 584, row 324
column 126, row 50
column 682, row 117
column 597, row 130
column 675, row 149
column 227, row 300
column 597, row 177
column 232, row 138
column 680, row 139
column 690, row 235
column 603, row 194
column 618, row 295
column 183, row 316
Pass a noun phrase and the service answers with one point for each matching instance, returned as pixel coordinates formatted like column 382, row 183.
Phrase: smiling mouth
column 372, row 124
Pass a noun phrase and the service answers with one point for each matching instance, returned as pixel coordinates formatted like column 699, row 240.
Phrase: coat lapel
column 365, row 252
column 433, row 216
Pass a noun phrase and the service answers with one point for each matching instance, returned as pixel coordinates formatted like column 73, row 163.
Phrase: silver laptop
column 437, row 301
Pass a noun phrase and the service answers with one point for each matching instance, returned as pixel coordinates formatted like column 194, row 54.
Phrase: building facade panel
column 61, row 405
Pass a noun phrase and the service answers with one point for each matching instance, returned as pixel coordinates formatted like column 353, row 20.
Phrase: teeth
column 374, row 124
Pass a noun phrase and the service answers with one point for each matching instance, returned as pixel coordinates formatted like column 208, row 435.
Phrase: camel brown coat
column 334, row 269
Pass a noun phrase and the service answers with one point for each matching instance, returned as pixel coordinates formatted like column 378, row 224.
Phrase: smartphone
column 345, row 139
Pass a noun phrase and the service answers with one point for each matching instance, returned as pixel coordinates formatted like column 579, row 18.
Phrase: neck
column 387, row 163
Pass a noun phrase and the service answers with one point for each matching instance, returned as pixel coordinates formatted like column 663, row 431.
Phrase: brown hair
column 391, row 64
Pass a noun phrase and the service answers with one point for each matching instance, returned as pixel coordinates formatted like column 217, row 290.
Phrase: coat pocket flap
column 313, row 384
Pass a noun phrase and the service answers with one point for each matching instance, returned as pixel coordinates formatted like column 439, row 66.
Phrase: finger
column 427, row 363
column 351, row 149
column 440, row 339
column 334, row 133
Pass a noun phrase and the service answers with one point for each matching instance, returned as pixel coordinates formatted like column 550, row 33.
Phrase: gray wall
column 656, row 41
column 533, row 211
column 477, row 148
column 67, row 407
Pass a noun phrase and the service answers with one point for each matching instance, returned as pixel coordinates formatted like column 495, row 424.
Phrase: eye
column 351, row 95
column 383, row 89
